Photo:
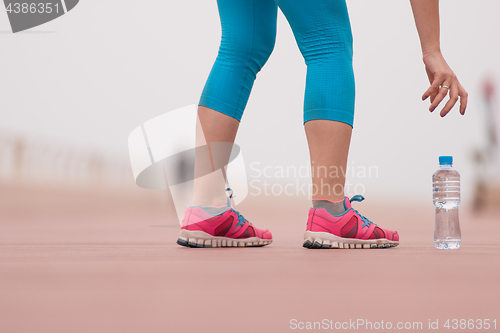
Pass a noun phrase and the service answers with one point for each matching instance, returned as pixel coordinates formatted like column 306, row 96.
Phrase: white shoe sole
column 325, row 240
column 196, row 238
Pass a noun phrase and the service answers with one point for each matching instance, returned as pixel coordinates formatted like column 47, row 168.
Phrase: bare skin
column 426, row 14
column 329, row 140
column 212, row 126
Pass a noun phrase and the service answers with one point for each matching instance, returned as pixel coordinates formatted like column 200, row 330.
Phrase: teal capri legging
column 323, row 33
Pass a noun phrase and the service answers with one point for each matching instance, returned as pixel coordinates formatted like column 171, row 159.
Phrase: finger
column 439, row 97
column 433, row 89
column 452, row 101
column 433, row 95
column 463, row 98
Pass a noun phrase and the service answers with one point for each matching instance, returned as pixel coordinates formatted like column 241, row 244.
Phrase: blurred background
column 83, row 249
column 73, row 89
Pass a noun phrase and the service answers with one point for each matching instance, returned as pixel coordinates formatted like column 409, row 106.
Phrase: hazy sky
column 107, row 66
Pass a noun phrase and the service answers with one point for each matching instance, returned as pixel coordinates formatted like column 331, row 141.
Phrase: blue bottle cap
column 445, row 160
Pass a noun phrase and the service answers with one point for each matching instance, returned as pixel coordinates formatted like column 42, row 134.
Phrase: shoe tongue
column 347, row 203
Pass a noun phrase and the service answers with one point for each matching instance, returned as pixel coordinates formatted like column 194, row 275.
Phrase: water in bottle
column 446, row 197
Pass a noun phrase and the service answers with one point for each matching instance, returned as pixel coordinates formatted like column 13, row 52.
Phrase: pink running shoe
column 226, row 229
column 350, row 230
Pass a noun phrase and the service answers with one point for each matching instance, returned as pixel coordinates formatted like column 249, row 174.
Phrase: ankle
column 334, row 208
column 332, row 198
column 214, row 210
column 213, row 202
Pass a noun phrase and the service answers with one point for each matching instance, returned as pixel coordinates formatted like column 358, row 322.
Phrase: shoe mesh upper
column 224, row 227
column 350, row 229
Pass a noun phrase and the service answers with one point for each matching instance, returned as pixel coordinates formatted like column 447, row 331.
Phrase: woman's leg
column 323, row 33
column 248, row 36
column 328, row 147
column 212, row 127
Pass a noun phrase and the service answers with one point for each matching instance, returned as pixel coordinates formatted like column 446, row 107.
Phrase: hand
column 441, row 76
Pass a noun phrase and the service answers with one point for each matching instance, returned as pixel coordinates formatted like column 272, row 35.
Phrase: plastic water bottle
column 446, row 197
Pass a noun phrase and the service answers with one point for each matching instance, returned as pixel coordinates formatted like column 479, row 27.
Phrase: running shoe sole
column 324, row 240
column 198, row 238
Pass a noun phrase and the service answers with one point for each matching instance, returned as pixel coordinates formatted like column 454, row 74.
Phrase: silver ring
column 445, row 87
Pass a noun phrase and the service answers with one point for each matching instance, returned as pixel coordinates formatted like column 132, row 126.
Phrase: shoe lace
column 366, row 221
column 241, row 218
